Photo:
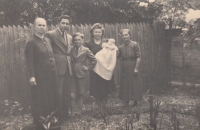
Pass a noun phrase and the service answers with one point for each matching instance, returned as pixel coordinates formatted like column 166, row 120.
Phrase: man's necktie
column 77, row 51
column 63, row 35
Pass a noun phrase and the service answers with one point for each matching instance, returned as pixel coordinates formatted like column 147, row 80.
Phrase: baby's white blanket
column 106, row 61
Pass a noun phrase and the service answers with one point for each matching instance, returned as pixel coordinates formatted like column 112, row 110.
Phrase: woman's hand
column 84, row 67
column 136, row 66
column 32, row 81
column 135, row 71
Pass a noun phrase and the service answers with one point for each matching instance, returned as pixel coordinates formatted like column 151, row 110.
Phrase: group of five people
column 58, row 65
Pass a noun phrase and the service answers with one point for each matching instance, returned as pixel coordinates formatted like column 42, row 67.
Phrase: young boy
column 79, row 55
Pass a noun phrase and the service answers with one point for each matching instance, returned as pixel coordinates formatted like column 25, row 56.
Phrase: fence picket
column 1, row 64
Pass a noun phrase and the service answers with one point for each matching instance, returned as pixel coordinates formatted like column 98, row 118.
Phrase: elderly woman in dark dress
column 43, row 77
column 130, row 55
column 99, row 87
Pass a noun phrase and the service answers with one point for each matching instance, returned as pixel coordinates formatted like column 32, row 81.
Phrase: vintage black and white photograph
column 99, row 64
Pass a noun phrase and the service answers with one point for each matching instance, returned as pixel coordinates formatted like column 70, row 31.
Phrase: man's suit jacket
column 79, row 61
column 61, row 50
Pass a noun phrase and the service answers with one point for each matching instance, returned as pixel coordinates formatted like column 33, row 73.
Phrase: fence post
column 183, row 61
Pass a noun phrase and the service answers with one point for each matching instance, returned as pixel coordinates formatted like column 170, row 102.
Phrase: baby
column 106, row 59
column 110, row 44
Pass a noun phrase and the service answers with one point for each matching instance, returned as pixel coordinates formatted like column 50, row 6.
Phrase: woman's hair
column 77, row 34
column 38, row 19
column 96, row 26
column 128, row 30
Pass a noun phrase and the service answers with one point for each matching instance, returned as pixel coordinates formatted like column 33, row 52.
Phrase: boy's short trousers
column 78, row 85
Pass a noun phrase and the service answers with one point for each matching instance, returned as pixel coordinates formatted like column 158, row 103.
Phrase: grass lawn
column 116, row 117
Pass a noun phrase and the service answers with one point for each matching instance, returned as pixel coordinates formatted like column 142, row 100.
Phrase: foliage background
column 23, row 12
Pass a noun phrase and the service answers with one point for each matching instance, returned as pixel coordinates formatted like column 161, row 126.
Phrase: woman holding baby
column 100, row 85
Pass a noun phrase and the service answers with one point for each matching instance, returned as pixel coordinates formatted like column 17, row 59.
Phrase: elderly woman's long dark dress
column 131, row 87
column 41, row 65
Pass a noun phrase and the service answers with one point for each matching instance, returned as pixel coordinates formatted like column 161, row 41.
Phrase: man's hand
column 32, row 81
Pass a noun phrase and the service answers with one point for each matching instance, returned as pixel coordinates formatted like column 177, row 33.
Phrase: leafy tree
column 20, row 12
column 23, row 12
column 174, row 12
column 13, row 12
column 146, row 9
column 191, row 34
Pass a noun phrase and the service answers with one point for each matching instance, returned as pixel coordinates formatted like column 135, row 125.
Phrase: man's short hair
column 38, row 18
column 77, row 34
column 63, row 17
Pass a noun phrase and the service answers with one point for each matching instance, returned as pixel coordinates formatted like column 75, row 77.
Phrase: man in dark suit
column 79, row 55
column 61, row 44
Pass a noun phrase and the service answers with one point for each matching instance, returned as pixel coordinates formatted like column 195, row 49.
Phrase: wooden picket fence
column 13, row 70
